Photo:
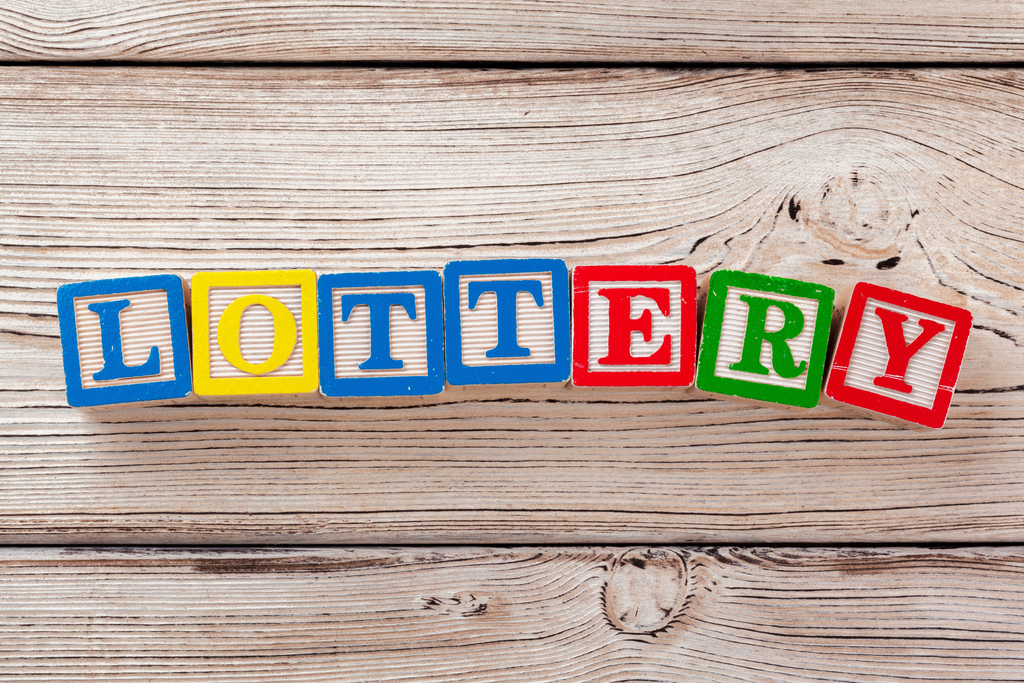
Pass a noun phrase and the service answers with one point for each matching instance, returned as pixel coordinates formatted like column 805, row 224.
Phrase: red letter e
column 621, row 326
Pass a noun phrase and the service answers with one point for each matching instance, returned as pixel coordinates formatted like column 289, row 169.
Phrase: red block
column 899, row 355
column 634, row 325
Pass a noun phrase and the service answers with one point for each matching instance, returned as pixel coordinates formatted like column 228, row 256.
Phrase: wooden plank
column 906, row 178
column 516, row 30
column 538, row 614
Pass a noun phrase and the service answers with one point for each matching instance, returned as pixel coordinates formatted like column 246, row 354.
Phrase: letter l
column 110, row 338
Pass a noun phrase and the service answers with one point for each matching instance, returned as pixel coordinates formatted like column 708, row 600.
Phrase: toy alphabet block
column 634, row 325
column 254, row 332
column 381, row 334
column 124, row 340
column 765, row 338
column 898, row 355
column 507, row 321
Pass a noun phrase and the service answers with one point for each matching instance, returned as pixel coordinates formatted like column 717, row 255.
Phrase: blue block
column 507, row 321
column 125, row 341
column 381, row 334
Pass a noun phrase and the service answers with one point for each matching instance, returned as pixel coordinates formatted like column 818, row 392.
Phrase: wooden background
column 615, row 132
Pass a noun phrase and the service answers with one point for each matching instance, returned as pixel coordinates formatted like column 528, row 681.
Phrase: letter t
column 380, row 304
column 506, row 292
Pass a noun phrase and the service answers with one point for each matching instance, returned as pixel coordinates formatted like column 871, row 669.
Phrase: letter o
column 229, row 337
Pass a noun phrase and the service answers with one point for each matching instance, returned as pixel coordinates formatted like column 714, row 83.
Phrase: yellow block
column 254, row 333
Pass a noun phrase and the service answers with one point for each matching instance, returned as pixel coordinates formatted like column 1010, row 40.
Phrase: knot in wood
column 461, row 604
column 860, row 214
column 645, row 590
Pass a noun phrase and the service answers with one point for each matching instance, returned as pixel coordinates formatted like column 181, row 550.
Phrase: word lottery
column 761, row 338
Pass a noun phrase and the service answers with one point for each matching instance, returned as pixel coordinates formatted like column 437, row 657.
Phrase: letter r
column 756, row 335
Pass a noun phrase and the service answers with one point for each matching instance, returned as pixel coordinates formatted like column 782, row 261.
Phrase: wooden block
column 381, row 334
column 765, row 338
column 507, row 321
column 254, row 332
column 124, row 340
column 899, row 355
column 634, row 325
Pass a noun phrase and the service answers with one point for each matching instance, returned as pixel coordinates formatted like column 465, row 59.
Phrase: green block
column 765, row 338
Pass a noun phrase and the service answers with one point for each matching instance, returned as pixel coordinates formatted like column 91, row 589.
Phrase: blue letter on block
column 506, row 292
column 377, row 355
column 489, row 344
column 110, row 337
column 380, row 304
column 92, row 341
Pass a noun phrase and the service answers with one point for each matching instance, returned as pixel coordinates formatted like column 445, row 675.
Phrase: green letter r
column 756, row 335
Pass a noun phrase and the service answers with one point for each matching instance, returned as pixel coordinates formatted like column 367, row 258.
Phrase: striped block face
column 765, row 338
column 125, row 340
column 254, row 332
column 899, row 355
column 634, row 325
column 506, row 321
column 381, row 334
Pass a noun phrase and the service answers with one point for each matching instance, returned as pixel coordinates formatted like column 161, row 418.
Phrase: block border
column 203, row 384
column 398, row 385
column 836, row 387
column 582, row 276
column 714, row 312
column 456, row 373
column 179, row 387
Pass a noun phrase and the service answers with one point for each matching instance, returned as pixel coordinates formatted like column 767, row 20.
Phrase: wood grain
column 516, row 30
column 536, row 614
column 910, row 179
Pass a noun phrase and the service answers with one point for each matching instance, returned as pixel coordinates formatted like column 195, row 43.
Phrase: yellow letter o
column 229, row 337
